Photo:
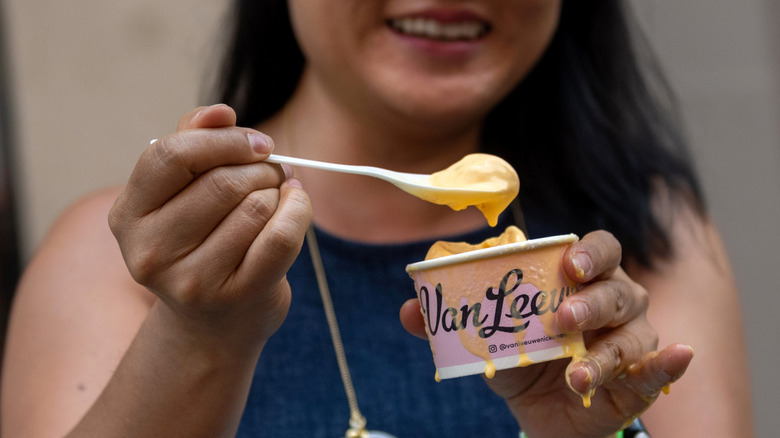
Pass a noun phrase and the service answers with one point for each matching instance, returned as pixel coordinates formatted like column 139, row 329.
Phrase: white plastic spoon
column 481, row 180
column 412, row 183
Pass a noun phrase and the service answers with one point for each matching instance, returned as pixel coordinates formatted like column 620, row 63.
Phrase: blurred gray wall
column 723, row 59
column 95, row 80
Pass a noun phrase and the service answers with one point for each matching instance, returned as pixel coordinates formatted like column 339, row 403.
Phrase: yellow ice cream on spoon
column 491, row 182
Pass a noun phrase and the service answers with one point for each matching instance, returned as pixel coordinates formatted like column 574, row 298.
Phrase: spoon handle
column 302, row 162
column 376, row 172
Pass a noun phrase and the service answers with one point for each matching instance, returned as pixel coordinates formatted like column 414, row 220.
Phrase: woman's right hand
column 211, row 229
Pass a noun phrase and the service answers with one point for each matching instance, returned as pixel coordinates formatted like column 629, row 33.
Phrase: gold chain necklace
column 357, row 422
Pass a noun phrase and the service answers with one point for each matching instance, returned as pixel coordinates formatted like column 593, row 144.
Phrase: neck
column 361, row 208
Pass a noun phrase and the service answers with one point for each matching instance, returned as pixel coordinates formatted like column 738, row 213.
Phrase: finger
column 607, row 303
column 214, row 116
column 173, row 162
column 168, row 235
column 195, row 212
column 279, row 242
column 610, row 355
column 644, row 381
column 597, row 255
column 412, row 318
column 215, row 260
column 657, row 370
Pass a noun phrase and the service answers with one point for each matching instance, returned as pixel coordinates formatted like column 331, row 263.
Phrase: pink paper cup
column 492, row 309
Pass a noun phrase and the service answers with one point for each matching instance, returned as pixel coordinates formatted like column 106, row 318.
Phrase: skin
column 170, row 322
column 186, row 346
column 700, row 278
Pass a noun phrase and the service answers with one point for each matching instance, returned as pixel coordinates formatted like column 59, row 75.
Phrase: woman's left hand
column 610, row 309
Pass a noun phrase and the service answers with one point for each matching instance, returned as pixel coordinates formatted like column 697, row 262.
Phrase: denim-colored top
column 297, row 390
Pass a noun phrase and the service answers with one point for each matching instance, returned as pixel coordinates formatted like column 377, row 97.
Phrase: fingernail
column 202, row 111
column 198, row 114
column 288, row 171
column 582, row 264
column 261, row 143
column 580, row 312
column 295, row 183
column 584, row 374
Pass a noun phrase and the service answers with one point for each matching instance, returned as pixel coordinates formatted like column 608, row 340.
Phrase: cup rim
column 483, row 253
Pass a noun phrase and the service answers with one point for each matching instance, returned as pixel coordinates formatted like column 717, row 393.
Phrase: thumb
column 203, row 117
column 412, row 319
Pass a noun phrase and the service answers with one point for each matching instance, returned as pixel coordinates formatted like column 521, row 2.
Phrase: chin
column 451, row 109
column 447, row 98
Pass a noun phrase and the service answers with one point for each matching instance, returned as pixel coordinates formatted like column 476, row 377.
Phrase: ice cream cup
column 493, row 308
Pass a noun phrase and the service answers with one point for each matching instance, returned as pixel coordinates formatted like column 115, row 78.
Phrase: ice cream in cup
column 492, row 306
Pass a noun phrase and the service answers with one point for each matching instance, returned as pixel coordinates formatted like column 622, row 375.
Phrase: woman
column 214, row 234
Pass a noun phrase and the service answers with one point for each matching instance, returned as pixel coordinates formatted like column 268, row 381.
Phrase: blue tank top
column 297, row 390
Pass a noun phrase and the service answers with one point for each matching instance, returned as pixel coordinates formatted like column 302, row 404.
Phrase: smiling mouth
column 469, row 30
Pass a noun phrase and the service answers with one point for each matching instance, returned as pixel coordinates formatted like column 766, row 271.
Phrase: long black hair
column 591, row 130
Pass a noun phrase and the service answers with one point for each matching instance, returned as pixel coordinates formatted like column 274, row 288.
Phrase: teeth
column 423, row 27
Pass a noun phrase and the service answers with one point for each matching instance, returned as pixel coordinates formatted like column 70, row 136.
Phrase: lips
column 441, row 27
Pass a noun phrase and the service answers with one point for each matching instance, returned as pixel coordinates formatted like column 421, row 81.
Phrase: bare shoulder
column 81, row 248
column 85, row 218
column 75, row 312
column 694, row 300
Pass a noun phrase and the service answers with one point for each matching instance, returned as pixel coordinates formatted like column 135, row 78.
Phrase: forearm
column 172, row 383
